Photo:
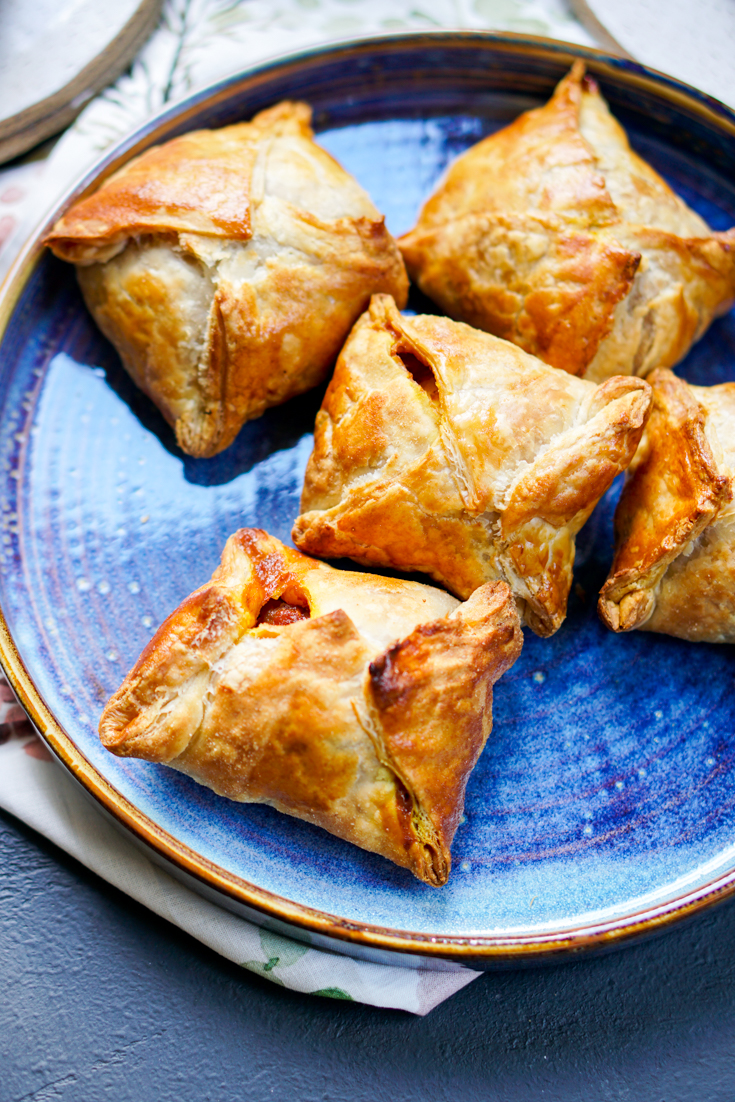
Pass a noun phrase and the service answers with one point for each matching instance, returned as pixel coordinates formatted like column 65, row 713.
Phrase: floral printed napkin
column 197, row 42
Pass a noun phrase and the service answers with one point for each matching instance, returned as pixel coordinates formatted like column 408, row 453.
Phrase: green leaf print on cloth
column 280, row 952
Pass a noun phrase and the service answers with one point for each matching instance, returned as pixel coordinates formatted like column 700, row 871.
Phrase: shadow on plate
column 278, row 429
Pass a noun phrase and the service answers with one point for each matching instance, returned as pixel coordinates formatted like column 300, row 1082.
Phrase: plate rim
column 481, row 950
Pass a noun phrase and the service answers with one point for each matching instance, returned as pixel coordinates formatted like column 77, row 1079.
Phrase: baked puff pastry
column 554, row 234
column 227, row 267
column 355, row 702
column 674, row 567
column 445, row 450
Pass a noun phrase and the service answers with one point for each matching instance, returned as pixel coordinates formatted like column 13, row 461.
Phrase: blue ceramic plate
column 604, row 803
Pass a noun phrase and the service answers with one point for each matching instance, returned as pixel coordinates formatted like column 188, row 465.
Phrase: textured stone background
column 101, row 1000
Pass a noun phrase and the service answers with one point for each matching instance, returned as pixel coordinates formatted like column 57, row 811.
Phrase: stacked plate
column 56, row 54
column 693, row 42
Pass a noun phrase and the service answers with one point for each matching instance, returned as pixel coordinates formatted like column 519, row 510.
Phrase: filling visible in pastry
column 674, row 566
column 227, row 267
column 355, row 702
column 445, row 450
column 554, row 234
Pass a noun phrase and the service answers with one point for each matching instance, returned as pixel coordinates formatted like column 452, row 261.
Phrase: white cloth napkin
column 200, row 41
column 38, row 791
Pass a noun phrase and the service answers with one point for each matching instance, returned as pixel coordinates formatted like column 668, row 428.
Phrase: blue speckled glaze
column 607, row 784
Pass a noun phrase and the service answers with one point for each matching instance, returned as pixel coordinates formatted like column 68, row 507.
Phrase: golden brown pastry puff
column 674, row 568
column 554, row 234
column 356, row 702
column 227, row 267
column 443, row 449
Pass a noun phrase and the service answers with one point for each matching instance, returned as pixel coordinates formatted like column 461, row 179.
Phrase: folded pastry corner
column 445, row 450
column 227, row 266
column 554, row 234
column 674, row 565
column 355, row 702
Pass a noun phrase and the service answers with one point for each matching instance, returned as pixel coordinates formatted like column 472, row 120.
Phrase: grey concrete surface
column 100, row 1000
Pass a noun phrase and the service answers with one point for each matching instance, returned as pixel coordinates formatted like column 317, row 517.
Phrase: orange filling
column 278, row 613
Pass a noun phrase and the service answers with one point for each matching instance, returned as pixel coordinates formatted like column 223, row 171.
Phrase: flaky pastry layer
column 227, row 267
column 674, row 566
column 355, row 702
column 554, row 234
column 445, row 450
